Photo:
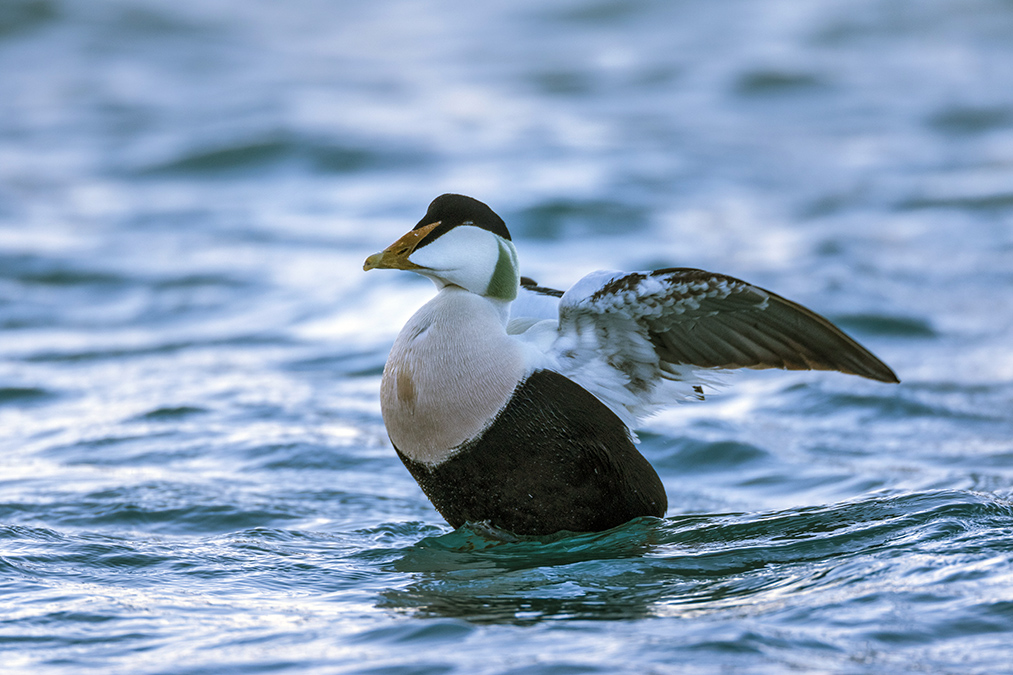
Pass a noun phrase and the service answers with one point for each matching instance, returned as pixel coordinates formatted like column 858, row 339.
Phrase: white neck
column 451, row 369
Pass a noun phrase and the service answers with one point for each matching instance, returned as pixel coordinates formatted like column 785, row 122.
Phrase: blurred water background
column 194, row 474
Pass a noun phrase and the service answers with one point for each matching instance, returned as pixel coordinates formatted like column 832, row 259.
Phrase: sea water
column 194, row 473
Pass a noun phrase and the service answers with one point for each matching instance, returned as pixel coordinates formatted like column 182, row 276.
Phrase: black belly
column 555, row 458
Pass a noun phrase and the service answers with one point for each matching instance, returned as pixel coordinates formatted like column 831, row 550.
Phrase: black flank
column 555, row 458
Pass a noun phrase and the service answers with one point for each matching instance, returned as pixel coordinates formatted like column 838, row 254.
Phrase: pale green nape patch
column 506, row 277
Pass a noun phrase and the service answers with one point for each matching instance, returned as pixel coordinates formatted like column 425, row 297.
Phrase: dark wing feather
column 731, row 324
column 708, row 320
column 529, row 284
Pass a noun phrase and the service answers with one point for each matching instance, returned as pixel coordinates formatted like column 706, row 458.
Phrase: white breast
column 451, row 369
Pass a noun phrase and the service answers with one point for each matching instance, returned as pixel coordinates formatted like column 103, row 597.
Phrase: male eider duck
column 523, row 420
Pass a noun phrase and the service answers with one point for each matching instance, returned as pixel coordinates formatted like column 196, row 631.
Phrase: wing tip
column 862, row 364
column 881, row 373
column 529, row 284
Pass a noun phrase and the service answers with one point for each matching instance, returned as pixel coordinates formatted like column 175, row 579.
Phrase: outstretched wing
column 649, row 334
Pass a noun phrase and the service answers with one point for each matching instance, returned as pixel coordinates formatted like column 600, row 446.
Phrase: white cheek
column 466, row 257
column 461, row 248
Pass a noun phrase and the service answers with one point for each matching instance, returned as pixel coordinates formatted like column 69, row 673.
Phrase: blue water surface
column 194, row 473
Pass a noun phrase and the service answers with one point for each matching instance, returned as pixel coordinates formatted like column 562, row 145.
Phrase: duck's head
column 459, row 242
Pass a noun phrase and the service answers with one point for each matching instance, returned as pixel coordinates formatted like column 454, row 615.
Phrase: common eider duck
column 523, row 420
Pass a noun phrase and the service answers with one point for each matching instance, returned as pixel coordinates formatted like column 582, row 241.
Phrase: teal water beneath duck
column 194, row 474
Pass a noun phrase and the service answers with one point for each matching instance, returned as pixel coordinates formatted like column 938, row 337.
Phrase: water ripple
column 194, row 473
